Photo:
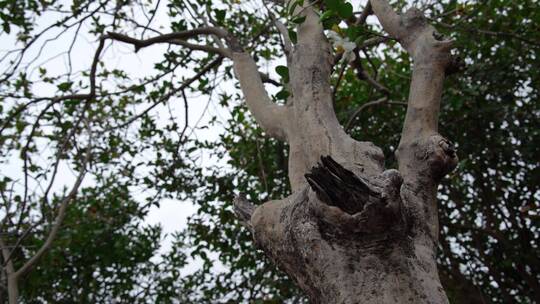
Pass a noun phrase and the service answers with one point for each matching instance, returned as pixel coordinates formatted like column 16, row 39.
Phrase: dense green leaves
column 103, row 253
column 343, row 8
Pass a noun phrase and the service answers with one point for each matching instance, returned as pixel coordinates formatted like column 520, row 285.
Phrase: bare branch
column 363, row 75
column 287, row 43
column 390, row 20
column 338, row 82
column 285, row 34
column 60, row 23
column 175, row 38
column 266, row 79
column 471, row 29
column 380, row 101
column 151, row 18
column 212, row 65
column 205, row 48
column 365, row 14
column 24, row 153
column 373, row 42
column 19, row 242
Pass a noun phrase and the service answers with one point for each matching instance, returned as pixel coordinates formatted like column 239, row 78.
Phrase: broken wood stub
column 356, row 204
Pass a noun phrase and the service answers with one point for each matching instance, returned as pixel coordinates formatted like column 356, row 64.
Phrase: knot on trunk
column 414, row 19
column 243, row 209
column 354, row 203
column 233, row 43
column 439, row 154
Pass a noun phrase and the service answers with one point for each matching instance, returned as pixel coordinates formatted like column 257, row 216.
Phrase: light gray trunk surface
column 353, row 232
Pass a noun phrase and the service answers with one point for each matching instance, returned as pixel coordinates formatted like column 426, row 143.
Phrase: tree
column 354, row 208
column 358, row 223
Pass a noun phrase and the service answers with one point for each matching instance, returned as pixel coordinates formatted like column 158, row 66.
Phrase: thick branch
column 177, row 38
column 311, row 30
column 251, row 80
column 431, row 58
column 287, row 43
column 389, row 19
column 268, row 114
column 140, row 43
column 424, row 156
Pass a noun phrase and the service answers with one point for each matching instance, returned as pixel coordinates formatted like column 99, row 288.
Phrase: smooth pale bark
column 10, row 275
column 352, row 232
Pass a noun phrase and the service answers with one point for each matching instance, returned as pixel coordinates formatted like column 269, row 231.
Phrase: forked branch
column 431, row 56
column 268, row 114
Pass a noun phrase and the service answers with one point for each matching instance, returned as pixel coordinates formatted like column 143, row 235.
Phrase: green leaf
column 65, row 86
column 292, row 35
column 293, row 7
column 333, row 4
column 283, row 94
column 6, row 27
column 326, row 15
column 283, row 71
column 345, row 10
column 330, row 22
column 20, row 125
column 299, row 20
column 353, row 32
column 220, row 14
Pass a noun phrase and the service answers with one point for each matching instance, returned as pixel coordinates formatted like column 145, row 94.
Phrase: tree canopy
column 130, row 144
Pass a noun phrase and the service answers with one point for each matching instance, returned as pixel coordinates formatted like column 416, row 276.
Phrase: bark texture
column 352, row 232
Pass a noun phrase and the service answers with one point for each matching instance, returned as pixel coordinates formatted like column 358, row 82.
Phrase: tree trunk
column 10, row 275
column 13, row 290
column 352, row 232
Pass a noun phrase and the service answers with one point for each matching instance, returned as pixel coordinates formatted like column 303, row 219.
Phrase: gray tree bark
column 353, row 232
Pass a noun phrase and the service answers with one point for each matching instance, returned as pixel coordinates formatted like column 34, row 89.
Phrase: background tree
column 493, row 101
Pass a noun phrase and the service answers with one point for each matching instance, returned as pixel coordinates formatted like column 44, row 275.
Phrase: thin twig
column 215, row 63
column 383, row 100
